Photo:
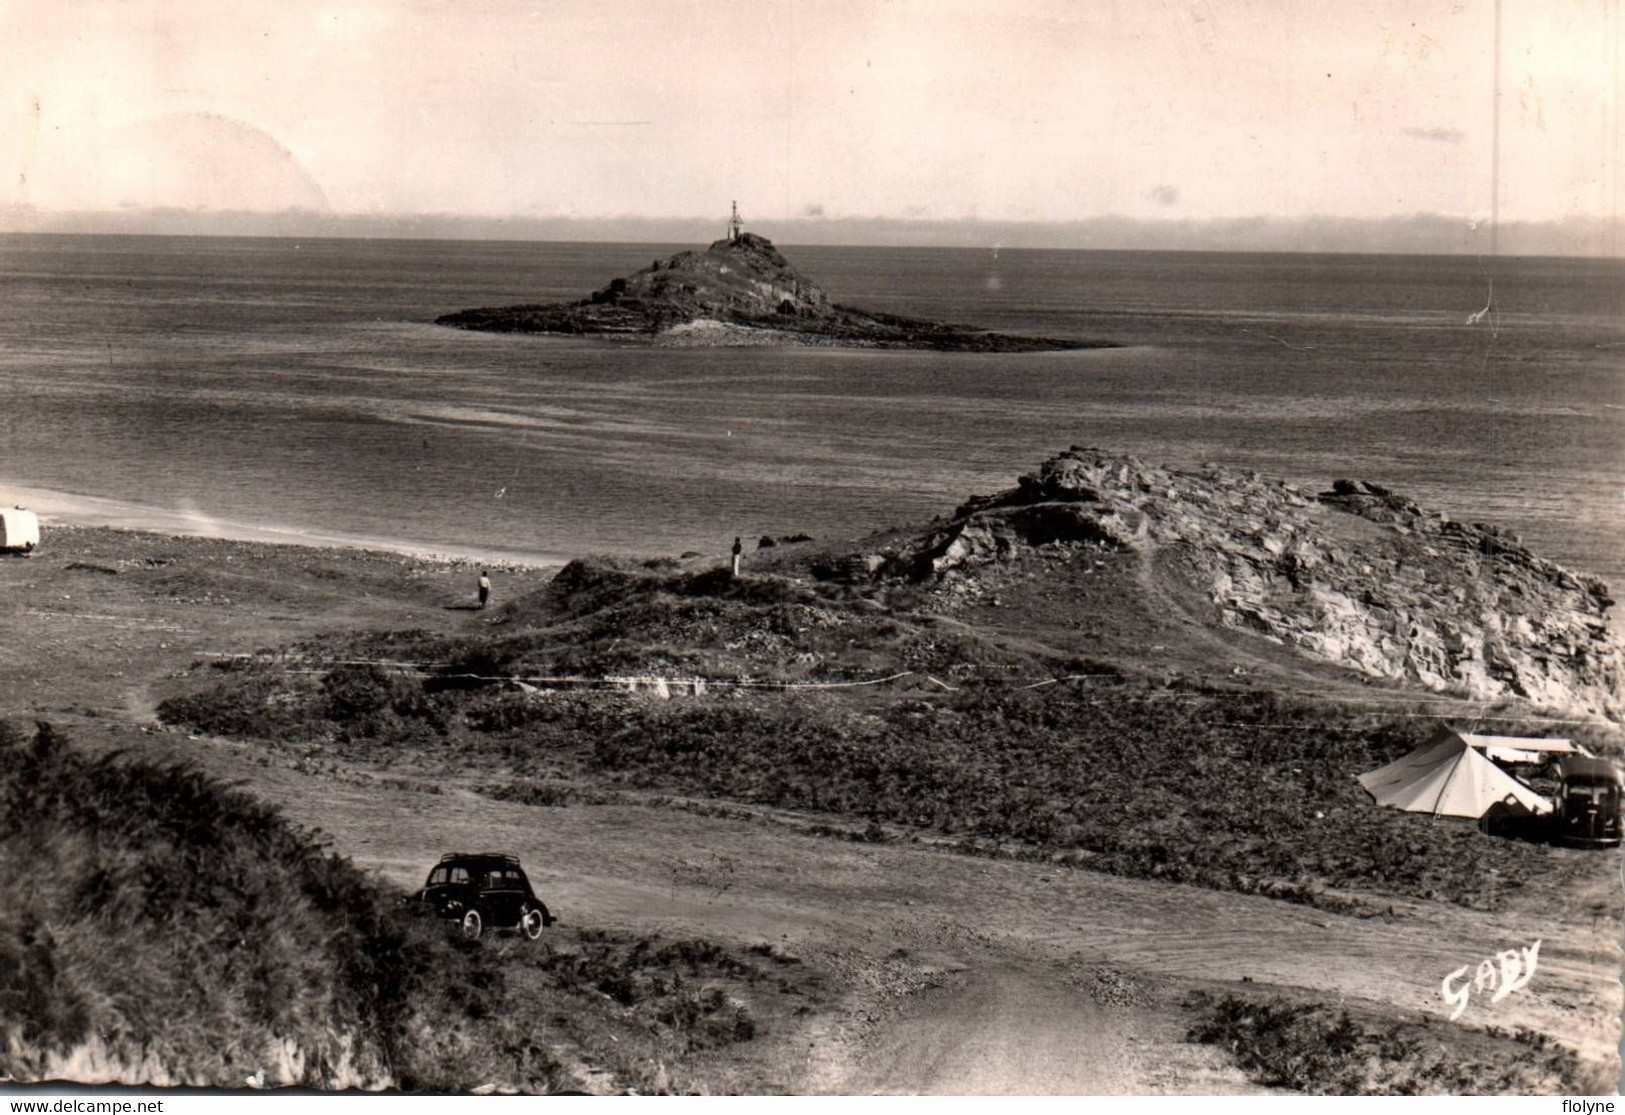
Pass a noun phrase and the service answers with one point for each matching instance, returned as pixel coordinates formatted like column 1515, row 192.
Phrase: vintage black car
column 1588, row 802
column 485, row 890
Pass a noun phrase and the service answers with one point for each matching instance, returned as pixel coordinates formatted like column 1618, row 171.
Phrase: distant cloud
column 813, row 211
column 1437, row 135
column 1164, row 195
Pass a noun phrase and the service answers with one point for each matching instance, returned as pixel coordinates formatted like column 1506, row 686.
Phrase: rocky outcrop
column 739, row 292
column 1357, row 576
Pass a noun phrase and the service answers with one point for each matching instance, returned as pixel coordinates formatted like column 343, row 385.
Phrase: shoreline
column 67, row 509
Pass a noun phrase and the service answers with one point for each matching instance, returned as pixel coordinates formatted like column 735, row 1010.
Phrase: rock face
column 1357, row 576
column 739, row 292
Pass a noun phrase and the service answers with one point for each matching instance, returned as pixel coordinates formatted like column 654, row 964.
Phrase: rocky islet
column 740, row 292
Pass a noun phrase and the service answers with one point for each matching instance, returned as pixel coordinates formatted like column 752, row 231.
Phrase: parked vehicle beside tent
column 1451, row 776
column 1455, row 774
column 19, row 530
column 1588, row 802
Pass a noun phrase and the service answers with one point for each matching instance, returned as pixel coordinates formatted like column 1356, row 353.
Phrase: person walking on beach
column 485, row 588
column 739, row 548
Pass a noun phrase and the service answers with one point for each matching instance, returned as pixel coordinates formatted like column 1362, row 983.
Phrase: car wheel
column 472, row 925
column 532, row 921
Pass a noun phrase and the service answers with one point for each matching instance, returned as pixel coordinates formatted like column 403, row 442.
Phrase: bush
column 355, row 692
column 248, row 706
column 665, row 984
column 1312, row 1048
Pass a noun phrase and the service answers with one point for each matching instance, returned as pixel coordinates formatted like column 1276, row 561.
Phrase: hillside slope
column 158, row 927
column 164, row 930
column 739, row 292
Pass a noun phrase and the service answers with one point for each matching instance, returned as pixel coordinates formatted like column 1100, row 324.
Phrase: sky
column 932, row 110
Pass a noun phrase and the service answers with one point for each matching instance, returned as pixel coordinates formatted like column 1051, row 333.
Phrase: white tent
column 1449, row 777
column 19, row 529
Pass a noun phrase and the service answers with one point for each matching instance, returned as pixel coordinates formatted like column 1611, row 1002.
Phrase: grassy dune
column 159, row 927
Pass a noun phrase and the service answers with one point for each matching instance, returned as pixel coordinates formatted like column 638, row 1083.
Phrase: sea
column 300, row 389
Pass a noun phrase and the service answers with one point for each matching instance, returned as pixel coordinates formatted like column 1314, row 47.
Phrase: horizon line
column 1416, row 233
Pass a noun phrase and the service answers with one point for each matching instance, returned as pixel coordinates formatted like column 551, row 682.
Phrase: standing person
column 485, row 588
column 738, row 549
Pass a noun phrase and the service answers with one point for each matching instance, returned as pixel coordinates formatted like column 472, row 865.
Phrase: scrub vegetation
column 1218, row 786
column 1322, row 1050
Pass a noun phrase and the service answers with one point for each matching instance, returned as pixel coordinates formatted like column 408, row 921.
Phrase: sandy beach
column 69, row 509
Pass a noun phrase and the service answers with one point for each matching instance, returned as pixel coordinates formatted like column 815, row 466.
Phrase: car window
column 514, row 878
column 437, row 877
column 459, row 875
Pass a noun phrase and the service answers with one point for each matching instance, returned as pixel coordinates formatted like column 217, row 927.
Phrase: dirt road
column 1003, row 1031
